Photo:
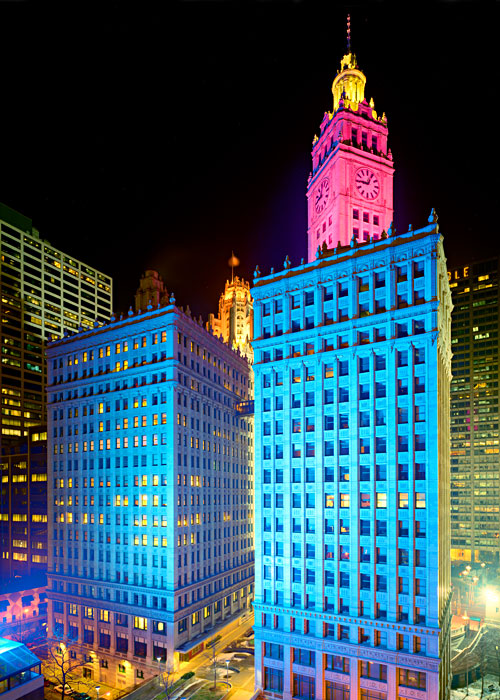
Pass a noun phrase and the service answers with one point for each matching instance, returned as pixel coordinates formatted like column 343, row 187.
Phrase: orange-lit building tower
column 235, row 319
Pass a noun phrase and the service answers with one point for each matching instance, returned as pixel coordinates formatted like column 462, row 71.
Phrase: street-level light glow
column 491, row 595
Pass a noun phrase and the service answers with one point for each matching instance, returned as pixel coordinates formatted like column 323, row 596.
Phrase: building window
column 273, row 679
column 337, row 691
column 304, row 657
column 419, row 500
column 403, row 500
column 303, row 687
column 412, row 679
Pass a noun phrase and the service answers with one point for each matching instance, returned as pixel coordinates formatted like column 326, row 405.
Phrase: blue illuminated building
column 150, row 491
column 20, row 672
column 352, row 375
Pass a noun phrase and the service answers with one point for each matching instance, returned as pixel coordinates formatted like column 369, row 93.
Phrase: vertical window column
column 287, row 311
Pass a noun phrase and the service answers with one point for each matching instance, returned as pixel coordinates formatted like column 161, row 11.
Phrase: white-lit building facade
column 150, row 492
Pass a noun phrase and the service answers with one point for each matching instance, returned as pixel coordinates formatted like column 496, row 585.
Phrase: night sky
column 139, row 136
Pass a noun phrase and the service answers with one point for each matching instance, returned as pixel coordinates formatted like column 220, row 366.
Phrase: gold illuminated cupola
column 349, row 84
column 350, row 81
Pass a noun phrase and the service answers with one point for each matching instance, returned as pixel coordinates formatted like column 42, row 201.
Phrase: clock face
column 321, row 195
column 367, row 183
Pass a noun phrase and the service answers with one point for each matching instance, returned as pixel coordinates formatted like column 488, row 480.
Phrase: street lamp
column 97, row 689
column 227, row 671
column 158, row 658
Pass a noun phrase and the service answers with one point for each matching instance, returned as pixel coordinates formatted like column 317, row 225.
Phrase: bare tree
column 168, row 680
column 211, row 655
column 62, row 662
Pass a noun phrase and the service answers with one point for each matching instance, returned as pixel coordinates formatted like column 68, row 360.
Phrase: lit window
column 140, row 623
column 420, row 500
column 344, row 500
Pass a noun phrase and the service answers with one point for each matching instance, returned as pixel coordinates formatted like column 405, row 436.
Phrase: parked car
column 59, row 689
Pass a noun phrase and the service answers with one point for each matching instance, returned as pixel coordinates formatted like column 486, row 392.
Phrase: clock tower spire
column 349, row 190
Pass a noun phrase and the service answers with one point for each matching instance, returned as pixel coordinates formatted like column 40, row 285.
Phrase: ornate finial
column 287, row 264
column 302, row 261
column 391, row 231
column 256, row 272
column 112, row 317
column 149, row 307
column 354, row 241
column 318, row 252
column 188, row 311
column 130, row 312
column 96, row 324
column 272, row 271
column 433, row 217
column 171, row 298
column 324, row 248
column 383, row 236
column 410, row 228
column 348, row 33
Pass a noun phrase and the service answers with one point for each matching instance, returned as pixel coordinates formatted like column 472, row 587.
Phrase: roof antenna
column 348, row 33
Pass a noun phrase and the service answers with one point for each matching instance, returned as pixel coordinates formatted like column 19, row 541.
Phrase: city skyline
column 137, row 131
column 157, row 150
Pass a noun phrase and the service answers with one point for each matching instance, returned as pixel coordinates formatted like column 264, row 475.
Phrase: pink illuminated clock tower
column 349, row 190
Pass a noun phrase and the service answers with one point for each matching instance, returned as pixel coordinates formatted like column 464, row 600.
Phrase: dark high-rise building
column 475, row 467
column 43, row 292
column 23, row 507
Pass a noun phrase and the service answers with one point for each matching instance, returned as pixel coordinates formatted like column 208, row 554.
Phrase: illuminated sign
column 459, row 274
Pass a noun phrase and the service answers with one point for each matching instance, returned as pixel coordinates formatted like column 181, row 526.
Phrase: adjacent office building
column 43, row 292
column 352, row 379
column 150, row 491
column 23, row 508
column 475, row 448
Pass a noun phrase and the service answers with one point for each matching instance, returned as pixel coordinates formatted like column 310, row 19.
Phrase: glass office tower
column 475, row 470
